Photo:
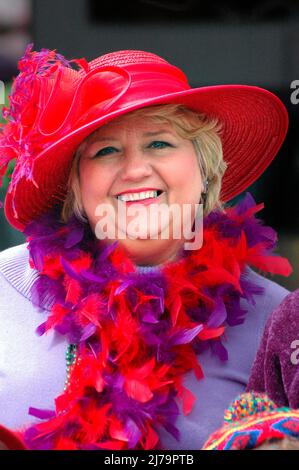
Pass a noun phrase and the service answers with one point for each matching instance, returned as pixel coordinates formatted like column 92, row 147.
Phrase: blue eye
column 105, row 151
column 159, row 144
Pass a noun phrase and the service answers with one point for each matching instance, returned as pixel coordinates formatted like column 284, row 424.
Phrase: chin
column 150, row 252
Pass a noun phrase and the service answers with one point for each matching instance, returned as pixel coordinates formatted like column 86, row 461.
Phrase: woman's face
column 134, row 154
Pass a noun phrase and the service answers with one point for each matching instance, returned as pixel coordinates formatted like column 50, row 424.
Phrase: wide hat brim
column 254, row 125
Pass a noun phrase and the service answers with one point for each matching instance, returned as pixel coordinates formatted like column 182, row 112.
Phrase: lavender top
column 32, row 368
column 276, row 366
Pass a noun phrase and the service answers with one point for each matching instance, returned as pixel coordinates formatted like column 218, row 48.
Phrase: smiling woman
column 204, row 133
column 158, row 336
column 124, row 158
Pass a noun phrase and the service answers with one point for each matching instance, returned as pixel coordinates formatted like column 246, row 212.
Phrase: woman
column 160, row 331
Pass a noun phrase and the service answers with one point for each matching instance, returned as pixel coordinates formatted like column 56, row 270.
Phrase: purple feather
column 88, row 331
column 235, row 314
column 219, row 349
column 41, row 414
column 218, row 315
column 105, row 250
column 250, row 289
column 45, row 292
column 246, row 203
column 43, row 443
column 149, row 317
column 92, row 277
column 74, row 237
column 171, row 429
column 185, row 336
column 40, row 330
column 134, row 433
column 69, row 270
column 124, row 285
column 37, row 258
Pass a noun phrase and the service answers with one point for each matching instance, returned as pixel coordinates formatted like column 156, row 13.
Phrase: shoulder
column 261, row 297
column 13, row 254
column 263, row 294
column 16, row 271
column 32, row 367
column 273, row 293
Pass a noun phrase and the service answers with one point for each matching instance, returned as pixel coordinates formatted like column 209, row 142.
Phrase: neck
column 155, row 255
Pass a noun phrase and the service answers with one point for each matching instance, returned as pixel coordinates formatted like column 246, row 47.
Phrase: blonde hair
column 204, row 132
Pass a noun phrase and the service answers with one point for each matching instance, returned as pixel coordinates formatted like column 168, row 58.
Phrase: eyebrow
column 150, row 134
column 145, row 134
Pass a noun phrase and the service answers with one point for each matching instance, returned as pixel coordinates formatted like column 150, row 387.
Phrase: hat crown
column 126, row 57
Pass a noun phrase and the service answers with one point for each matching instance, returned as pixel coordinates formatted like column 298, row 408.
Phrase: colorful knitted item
column 251, row 419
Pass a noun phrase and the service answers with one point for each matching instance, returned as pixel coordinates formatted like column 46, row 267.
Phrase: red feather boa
column 121, row 387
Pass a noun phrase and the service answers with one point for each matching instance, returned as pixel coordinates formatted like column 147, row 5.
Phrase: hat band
column 148, row 82
column 110, row 88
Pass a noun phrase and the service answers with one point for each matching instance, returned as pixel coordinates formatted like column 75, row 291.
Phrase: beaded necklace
column 70, row 357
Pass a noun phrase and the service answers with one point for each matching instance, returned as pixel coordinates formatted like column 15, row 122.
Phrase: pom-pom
column 248, row 404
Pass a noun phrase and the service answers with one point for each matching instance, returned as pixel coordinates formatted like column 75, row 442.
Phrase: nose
column 136, row 165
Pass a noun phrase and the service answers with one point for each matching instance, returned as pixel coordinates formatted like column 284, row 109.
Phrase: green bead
column 70, row 356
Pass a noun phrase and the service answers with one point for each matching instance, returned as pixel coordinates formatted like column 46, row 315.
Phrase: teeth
column 138, row 196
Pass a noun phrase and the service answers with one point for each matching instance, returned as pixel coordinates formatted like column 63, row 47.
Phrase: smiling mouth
column 145, row 198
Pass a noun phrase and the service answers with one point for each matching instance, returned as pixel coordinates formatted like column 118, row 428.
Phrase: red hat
column 53, row 108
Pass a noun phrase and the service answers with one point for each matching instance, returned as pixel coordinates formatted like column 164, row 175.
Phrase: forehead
column 144, row 125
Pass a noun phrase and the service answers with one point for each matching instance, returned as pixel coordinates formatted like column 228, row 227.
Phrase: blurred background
column 253, row 42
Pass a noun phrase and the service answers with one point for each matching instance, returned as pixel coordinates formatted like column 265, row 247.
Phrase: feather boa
column 137, row 334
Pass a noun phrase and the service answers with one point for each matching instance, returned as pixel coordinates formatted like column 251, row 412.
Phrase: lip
column 138, row 190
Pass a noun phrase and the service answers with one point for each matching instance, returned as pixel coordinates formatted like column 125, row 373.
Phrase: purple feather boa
column 48, row 235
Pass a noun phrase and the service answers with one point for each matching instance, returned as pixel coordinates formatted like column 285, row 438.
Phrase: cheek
column 94, row 182
column 186, row 173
